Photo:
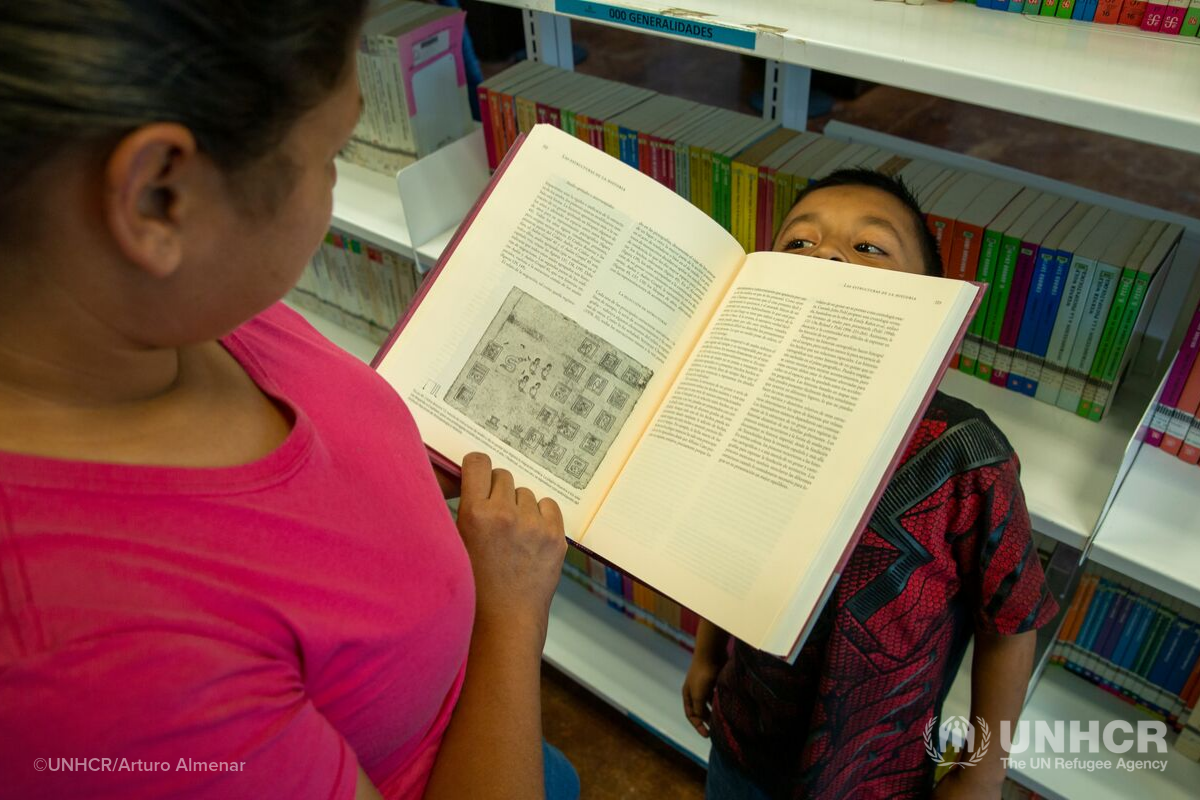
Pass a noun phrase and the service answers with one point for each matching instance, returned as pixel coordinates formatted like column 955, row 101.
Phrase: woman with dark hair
column 226, row 566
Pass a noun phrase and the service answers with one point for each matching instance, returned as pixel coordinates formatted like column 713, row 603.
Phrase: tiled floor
column 615, row 757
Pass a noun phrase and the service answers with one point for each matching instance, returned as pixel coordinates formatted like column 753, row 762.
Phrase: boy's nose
column 828, row 252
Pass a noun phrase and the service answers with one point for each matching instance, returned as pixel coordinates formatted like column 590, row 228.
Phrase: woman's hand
column 516, row 544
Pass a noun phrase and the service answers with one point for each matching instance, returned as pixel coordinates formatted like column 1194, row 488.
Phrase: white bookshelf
column 1152, row 531
column 1101, row 77
column 366, row 205
column 1067, row 462
column 625, row 663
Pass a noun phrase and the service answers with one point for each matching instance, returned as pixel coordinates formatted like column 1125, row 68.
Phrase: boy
column 947, row 554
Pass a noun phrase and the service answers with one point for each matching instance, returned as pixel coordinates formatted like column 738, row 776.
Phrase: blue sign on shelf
column 678, row 26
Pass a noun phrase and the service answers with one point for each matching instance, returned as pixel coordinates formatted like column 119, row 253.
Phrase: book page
column 753, row 477
column 555, row 326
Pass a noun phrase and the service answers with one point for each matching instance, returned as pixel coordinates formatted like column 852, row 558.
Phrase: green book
column 1002, row 280
column 1049, row 8
column 1142, row 300
column 1115, row 314
column 985, row 271
column 1109, row 268
column 1191, row 21
column 1065, row 7
column 1032, row 7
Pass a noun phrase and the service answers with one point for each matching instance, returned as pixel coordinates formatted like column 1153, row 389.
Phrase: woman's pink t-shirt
column 255, row 631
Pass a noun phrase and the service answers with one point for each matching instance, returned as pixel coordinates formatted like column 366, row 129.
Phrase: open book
column 718, row 425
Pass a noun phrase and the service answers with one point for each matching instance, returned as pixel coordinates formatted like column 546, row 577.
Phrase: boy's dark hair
column 896, row 188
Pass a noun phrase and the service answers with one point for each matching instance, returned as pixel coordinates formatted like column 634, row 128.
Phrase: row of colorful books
column 1174, row 17
column 1071, row 285
column 413, row 82
column 632, row 598
column 1138, row 643
column 363, row 288
column 1175, row 424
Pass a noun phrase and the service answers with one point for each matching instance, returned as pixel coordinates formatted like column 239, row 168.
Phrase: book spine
column 1189, row 451
column 1108, row 334
column 1087, row 339
column 1191, row 21
column 1066, row 324
column 1032, row 7
column 1180, row 369
column 766, row 209
column 1014, row 314
column 989, row 256
column 1033, row 319
column 1065, row 9
column 1183, row 412
column 1049, row 8
column 1173, row 19
column 942, row 229
column 963, row 263
column 1152, row 19
column 997, row 306
column 1132, row 12
column 1115, row 359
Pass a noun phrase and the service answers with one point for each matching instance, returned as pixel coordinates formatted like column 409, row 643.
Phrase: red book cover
column 1132, row 12
column 1018, row 294
column 1173, row 20
column 1152, row 17
column 1108, row 12
column 543, row 112
column 943, row 230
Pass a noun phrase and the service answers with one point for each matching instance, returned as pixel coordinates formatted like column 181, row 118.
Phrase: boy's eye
column 799, row 244
column 867, row 247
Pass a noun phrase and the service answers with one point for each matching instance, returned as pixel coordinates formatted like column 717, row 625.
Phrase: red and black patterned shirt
column 947, row 551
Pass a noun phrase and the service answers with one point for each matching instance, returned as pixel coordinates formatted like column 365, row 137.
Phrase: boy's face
column 856, row 224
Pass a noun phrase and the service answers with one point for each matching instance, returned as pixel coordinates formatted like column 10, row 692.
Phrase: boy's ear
column 147, row 179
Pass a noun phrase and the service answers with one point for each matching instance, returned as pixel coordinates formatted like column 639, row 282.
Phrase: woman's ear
column 149, row 183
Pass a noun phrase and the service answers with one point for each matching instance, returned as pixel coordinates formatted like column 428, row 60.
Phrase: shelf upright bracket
column 548, row 39
column 785, row 94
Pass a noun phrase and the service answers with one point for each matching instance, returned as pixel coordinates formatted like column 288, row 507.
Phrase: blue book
column 1189, row 649
column 1118, row 614
column 1165, row 663
column 616, row 587
column 628, row 146
column 1016, row 5
column 1031, row 322
column 1139, row 624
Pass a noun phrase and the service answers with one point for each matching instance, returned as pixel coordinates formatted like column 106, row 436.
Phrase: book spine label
column 1173, row 20
column 1065, row 9
column 1189, row 451
column 1152, row 18
column 1049, row 8
column 1132, row 12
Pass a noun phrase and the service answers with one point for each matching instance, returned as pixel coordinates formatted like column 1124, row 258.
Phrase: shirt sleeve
column 1004, row 573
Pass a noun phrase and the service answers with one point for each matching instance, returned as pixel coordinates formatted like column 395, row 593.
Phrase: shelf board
column 1060, row 695
column 1062, row 455
column 1101, row 77
column 628, row 665
column 1151, row 532
column 366, row 205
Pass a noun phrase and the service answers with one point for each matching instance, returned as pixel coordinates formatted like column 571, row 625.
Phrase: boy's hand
column 516, row 544
column 698, row 689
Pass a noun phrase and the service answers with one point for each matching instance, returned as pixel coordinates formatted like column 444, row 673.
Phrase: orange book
column 1132, row 12
column 1064, row 630
column 1183, row 413
column 1085, row 592
column 949, row 207
column 1108, row 12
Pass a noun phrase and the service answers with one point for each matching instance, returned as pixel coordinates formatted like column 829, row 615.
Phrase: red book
column 1108, row 12
column 1173, row 19
column 1132, row 12
column 1152, row 17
